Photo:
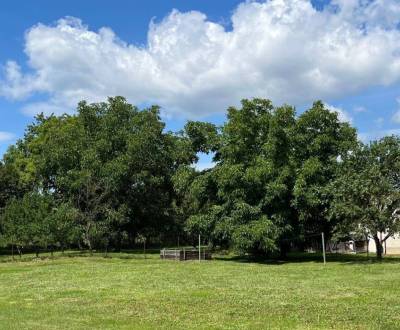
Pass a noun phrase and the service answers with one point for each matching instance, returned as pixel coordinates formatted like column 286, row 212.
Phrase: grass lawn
column 130, row 292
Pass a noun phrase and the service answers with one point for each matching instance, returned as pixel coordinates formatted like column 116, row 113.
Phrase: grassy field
column 130, row 292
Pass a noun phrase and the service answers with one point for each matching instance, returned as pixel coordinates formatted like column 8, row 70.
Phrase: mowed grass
column 130, row 292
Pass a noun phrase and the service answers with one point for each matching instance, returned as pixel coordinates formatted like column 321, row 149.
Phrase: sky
column 195, row 58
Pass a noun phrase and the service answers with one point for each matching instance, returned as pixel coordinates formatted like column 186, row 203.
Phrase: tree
column 14, row 183
column 366, row 194
column 111, row 162
column 25, row 222
column 63, row 225
column 242, row 201
column 320, row 140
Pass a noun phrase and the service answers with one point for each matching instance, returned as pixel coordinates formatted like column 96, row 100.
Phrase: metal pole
column 144, row 248
column 199, row 248
column 323, row 247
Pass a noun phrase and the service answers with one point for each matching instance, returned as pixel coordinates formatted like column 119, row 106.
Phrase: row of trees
column 111, row 173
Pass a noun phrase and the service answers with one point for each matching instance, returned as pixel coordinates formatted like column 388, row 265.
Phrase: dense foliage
column 366, row 192
column 270, row 184
column 111, row 175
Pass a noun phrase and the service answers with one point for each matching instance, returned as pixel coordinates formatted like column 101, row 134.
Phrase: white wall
column 392, row 245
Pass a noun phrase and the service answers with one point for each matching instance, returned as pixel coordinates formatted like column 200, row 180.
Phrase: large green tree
column 113, row 163
column 270, row 183
column 242, row 202
column 320, row 141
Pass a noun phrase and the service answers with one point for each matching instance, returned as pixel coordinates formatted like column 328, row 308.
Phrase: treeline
column 111, row 175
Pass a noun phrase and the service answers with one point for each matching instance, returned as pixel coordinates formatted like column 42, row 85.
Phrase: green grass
column 130, row 292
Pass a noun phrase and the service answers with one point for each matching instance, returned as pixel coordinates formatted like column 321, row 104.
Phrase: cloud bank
column 285, row 50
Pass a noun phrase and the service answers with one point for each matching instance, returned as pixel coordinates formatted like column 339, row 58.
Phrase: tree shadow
column 153, row 254
column 312, row 257
column 57, row 255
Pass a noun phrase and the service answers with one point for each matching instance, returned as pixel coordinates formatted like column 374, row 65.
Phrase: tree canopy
column 111, row 173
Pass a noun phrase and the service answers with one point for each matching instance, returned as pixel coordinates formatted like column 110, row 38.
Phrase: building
column 390, row 246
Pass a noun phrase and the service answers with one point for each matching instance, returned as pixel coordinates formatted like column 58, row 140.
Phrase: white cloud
column 342, row 114
column 6, row 136
column 396, row 116
column 376, row 135
column 359, row 109
column 201, row 166
column 281, row 49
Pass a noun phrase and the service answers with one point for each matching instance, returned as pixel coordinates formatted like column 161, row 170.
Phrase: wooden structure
column 185, row 254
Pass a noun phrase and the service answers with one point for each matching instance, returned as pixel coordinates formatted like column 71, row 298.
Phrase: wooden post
column 323, row 247
column 199, row 248
column 184, row 254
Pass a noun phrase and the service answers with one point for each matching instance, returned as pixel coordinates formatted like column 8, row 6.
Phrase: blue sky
column 195, row 58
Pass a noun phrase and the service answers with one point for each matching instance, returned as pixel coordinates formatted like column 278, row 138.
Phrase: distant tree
column 25, row 222
column 64, row 230
column 367, row 192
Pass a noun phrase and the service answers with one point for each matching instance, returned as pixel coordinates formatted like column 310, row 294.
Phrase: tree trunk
column 12, row 251
column 119, row 242
column 90, row 247
column 283, row 250
column 87, row 238
column 379, row 247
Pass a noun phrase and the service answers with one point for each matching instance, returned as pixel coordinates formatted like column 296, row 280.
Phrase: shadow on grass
column 312, row 257
column 125, row 254
column 153, row 254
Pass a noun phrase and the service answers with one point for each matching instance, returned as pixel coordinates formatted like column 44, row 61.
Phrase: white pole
column 199, row 248
column 323, row 247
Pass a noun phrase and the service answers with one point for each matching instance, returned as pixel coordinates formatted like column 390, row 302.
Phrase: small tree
column 366, row 193
column 25, row 221
column 14, row 231
column 63, row 226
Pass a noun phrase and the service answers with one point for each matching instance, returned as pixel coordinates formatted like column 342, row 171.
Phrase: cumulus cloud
column 342, row 114
column 285, row 50
column 6, row 136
